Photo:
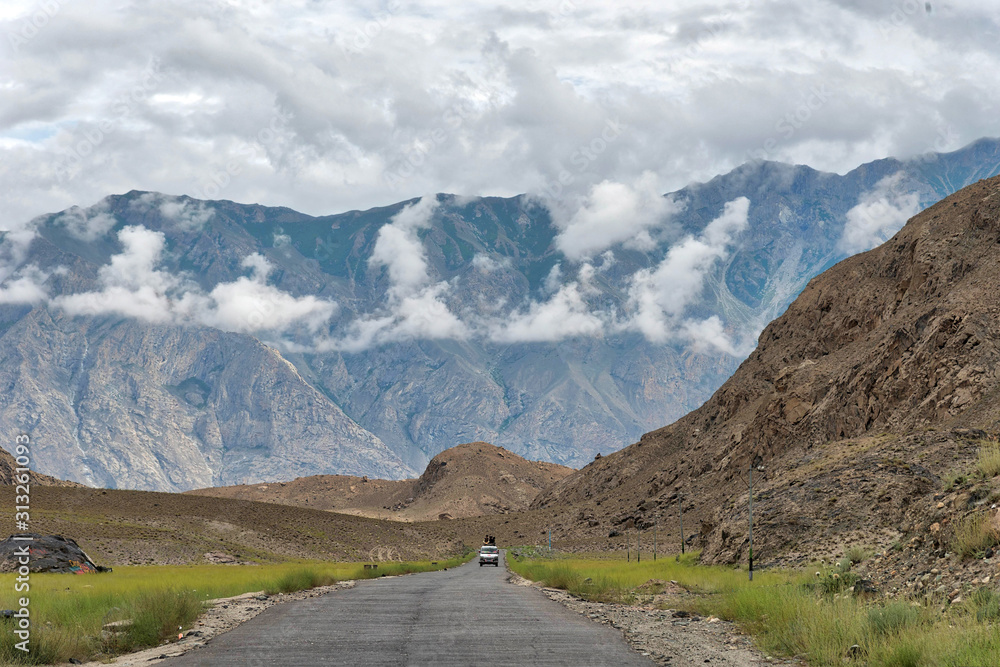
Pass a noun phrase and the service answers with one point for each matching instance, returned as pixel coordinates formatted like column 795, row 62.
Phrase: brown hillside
column 139, row 527
column 473, row 479
column 859, row 399
column 8, row 472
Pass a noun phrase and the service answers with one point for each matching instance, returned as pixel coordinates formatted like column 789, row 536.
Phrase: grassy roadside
column 68, row 612
column 797, row 613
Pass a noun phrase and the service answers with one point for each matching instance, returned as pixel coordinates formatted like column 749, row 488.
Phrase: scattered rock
column 47, row 553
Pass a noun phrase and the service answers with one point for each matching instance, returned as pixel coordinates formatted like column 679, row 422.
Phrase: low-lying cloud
column 573, row 300
column 132, row 285
column 659, row 297
column 612, row 214
column 878, row 215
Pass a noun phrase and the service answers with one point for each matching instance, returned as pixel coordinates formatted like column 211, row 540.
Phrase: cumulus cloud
column 659, row 297
column 612, row 214
column 184, row 214
column 415, row 308
column 879, row 214
column 471, row 98
column 488, row 264
column 87, row 224
column 565, row 315
column 398, row 248
column 24, row 286
column 132, row 285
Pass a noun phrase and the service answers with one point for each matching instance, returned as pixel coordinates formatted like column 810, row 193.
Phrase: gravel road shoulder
column 223, row 615
column 668, row 637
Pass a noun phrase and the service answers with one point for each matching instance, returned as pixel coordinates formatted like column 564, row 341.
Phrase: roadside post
column 680, row 513
column 750, row 508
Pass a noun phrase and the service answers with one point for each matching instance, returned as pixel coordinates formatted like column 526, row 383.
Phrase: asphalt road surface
column 464, row 616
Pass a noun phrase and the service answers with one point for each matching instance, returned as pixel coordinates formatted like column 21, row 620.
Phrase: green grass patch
column 988, row 463
column 974, row 534
column 68, row 612
column 796, row 613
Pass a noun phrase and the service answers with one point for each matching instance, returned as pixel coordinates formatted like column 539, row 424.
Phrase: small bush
column 156, row 616
column 974, row 535
column 988, row 464
column 953, row 479
column 857, row 553
column 906, row 655
column 300, row 580
column 987, row 605
column 891, row 619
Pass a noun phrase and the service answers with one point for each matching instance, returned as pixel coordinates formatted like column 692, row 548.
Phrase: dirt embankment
column 468, row 480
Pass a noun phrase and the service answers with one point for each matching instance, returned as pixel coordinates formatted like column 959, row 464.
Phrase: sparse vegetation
column 988, row 463
column 68, row 612
column 857, row 553
column 953, row 479
column 798, row 613
column 974, row 534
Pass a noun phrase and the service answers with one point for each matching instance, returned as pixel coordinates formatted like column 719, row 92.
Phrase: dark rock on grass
column 46, row 553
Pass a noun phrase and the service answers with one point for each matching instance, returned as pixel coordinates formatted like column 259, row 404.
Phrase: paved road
column 465, row 616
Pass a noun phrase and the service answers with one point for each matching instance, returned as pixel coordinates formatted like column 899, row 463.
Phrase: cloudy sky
column 328, row 106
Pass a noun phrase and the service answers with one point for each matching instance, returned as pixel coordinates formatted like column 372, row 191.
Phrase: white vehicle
column 489, row 555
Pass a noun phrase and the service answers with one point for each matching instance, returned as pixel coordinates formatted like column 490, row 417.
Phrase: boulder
column 46, row 553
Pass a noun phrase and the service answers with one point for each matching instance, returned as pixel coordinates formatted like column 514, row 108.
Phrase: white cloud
column 488, row 264
column 414, row 308
column 87, row 224
column 472, row 98
column 658, row 297
column 26, row 286
column 612, row 214
column 553, row 279
column 183, row 214
column 710, row 334
column 879, row 214
column 398, row 248
column 565, row 315
column 131, row 285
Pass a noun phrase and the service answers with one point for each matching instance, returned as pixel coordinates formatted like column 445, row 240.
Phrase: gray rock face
column 120, row 402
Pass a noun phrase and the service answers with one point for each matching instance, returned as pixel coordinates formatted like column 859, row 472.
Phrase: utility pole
column 750, row 504
column 628, row 546
column 550, row 540
column 680, row 513
column 656, row 529
column 638, row 544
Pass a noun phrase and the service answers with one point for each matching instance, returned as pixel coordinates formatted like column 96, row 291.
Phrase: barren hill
column 879, row 380
column 472, row 479
column 8, row 473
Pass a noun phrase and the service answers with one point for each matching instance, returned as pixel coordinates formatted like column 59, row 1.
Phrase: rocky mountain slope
column 9, row 474
column 474, row 479
column 860, row 408
column 159, row 342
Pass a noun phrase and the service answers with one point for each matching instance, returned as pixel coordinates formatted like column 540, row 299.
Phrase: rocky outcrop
column 877, row 381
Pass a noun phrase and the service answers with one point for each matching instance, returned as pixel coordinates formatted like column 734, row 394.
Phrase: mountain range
column 863, row 416
column 160, row 342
